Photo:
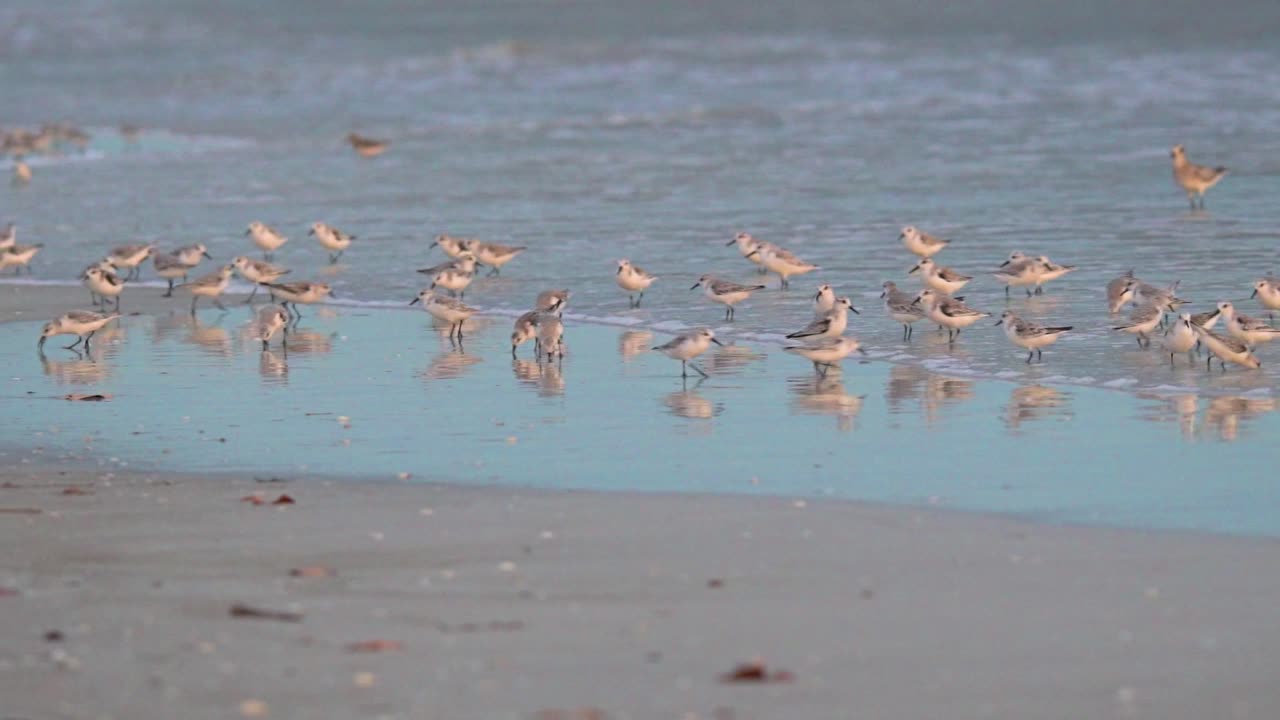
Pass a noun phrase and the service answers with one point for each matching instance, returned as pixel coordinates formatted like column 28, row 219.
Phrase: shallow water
column 344, row 401
column 656, row 132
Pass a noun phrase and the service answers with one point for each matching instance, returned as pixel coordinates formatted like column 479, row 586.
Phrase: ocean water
column 342, row 401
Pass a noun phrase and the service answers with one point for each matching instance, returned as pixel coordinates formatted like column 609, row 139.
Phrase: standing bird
column 688, row 346
column 1267, row 290
column 1195, row 180
column 902, row 307
column 523, row 330
column 1142, row 321
column 551, row 301
column 825, row 352
column 104, row 284
column 832, row 324
column 131, row 257
column 445, row 308
column 1050, row 271
column 1253, row 331
column 258, row 272
column 493, row 255
column 211, row 286
column 454, row 276
column 949, row 313
column 1028, row 335
column 82, row 323
column 920, row 243
column 1226, row 349
column 170, row 267
column 271, row 320
column 1181, row 338
column 1120, row 291
column 367, row 146
column 9, row 237
column 191, row 255
column 551, row 337
column 633, row 278
column 1019, row 271
column 18, row 257
column 942, row 279
column 266, row 238
column 333, row 239
column 452, row 246
column 750, row 249
column 307, row 293
column 784, row 263
column 723, row 291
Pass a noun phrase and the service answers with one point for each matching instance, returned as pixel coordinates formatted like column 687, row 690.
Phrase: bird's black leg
column 1029, row 355
column 700, row 371
column 194, row 300
column 73, row 345
column 684, row 369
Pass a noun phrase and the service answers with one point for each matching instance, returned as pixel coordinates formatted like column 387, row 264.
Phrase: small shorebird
column 258, row 272
column 333, row 239
column 1182, row 337
column 750, row 249
column 1267, row 290
column 1019, row 271
column 493, row 255
column 452, row 246
column 131, row 257
column 445, row 308
column 18, row 257
column 825, row 352
column 1165, row 298
column 82, row 323
column 1121, row 291
column 921, row 243
column 1253, row 331
column 523, row 330
column 367, row 146
column 1195, row 180
column 1029, row 336
column 784, row 263
column 169, row 267
column 633, row 278
column 105, row 284
column 824, row 300
column 266, row 238
column 902, row 307
column 454, row 276
column 688, row 346
column 832, row 324
column 191, row 255
column 951, row 313
column 942, row 279
column 1049, row 272
column 307, row 293
column 550, row 337
column 105, row 266
column 211, row 286
column 723, row 291
column 9, row 237
column 271, row 320
column 1226, row 349
column 1142, row 321
column 551, row 301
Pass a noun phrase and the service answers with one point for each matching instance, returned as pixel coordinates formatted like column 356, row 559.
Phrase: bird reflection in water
column 825, row 395
column 1182, row 409
column 84, row 369
column 1227, row 414
column 1034, row 402
column 729, row 359
column 213, row 339
column 689, row 404
column 309, row 342
column 273, row 366
column 634, row 342
column 449, row 365
column 940, row 391
column 909, row 384
column 546, row 378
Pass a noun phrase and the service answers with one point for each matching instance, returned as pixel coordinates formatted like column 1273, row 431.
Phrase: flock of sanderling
column 823, row 341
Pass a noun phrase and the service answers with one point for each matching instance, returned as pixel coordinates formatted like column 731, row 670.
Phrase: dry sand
column 116, row 596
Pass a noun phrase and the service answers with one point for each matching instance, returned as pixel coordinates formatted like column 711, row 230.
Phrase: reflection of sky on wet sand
column 615, row 415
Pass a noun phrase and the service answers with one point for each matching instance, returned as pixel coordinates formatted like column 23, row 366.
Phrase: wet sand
column 116, row 592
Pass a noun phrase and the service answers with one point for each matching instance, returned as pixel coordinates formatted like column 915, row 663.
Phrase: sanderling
column 292, row 293
column 131, row 257
column 825, row 352
column 1267, row 290
column 942, row 279
column 104, row 284
column 784, row 263
column 921, row 243
column 447, row 309
column 1142, row 321
column 830, row 325
column 266, row 238
column 750, row 249
column 191, row 255
column 632, row 278
column 1019, row 271
column 824, row 300
column 1049, row 271
column 901, row 306
column 258, row 272
column 1252, row 331
column 1226, row 348
column 367, row 146
column 1121, row 291
column 106, row 267
column 493, row 255
column 452, row 246
column 1182, row 337
column 1195, row 180
column 1165, row 298
column 82, row 323
column 454, row 276
column 1028, row 335
column 524, row 330
column 9, row 237
column 723, row 291
column 552, row 301
column 18, row 257
column 271, row 320
column 949, row 312
column 171, row 268
column 550, row 337
column 688, row 346
column 333, row 239
column 210, row 286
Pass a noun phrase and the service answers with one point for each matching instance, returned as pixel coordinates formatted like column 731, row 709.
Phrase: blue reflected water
column 380, row 393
